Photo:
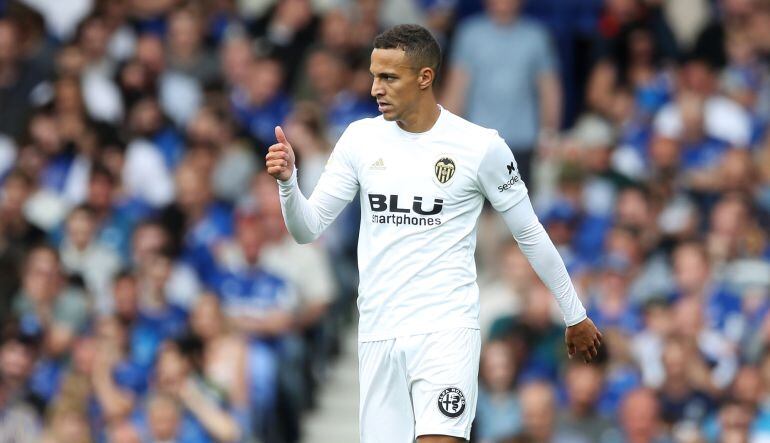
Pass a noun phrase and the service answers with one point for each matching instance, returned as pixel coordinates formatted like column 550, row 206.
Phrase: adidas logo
column 379, row 165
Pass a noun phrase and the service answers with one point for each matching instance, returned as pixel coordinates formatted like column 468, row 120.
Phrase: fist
column 280, row 157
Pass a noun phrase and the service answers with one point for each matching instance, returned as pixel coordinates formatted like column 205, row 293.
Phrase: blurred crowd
column 149, row 291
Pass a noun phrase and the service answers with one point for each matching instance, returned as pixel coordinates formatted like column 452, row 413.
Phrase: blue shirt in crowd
column 504, row 64
column 260, row 121
column 152, row 328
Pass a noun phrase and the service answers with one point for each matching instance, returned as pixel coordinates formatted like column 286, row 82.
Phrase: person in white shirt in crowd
column 82, row 254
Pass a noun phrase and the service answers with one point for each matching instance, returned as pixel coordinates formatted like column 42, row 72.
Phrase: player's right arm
column 306, row 218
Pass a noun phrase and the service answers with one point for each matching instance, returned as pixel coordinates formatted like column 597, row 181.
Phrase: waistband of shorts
column 416, row 330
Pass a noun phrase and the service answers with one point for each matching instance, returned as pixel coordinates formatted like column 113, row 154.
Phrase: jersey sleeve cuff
column 290, row 183
column 576, row 319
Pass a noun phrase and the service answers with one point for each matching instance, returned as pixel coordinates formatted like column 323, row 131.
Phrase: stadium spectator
column 145, row 175
column 609, row 303
column 330, row 79
column 700, row 110
column 633, row 64
column 707, row 343
column 18, row 234
column 182, row 407
column 521, row 97
column 684, row 395
column 224, row 352
column 235, row 57
column 498, row 409
column 696, row 281
column 259, row 306
column 639, row 418
column 503, row 294
column 538, row 412
column 287, row 29
column 150, row 237
column 260, row 104
column 18, row 81
column 101, row 97
column 311, row 277
column 67, row 422
column 18, row 354
column 158, row 318
column 124, row 432
column 82, row 255
column 235, row 161
column 713, row 40
column 582, row 418
column 658, row 326
column 186, row 51
column 112, row 214
column 47, row 305
column 18, row 422
column 306, row 126
column 741, row 414
column 536, row 329
column 735, row 420
column 195, row 216
column 125, row 295
column 99, row 381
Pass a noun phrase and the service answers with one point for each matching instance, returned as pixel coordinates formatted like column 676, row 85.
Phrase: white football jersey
column 421, row 195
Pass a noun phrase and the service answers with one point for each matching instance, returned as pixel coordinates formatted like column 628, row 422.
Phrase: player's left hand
column 584, row 339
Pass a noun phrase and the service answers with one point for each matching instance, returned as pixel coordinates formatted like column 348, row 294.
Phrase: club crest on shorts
column 444, row 169
column 451, row 402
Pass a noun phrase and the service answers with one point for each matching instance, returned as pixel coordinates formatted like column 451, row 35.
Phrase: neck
column 101, row 213
column 7, row 74
column 676, row 387
column 735, row 19
column 580, row 410
column 252, row 261
column 155, row 297
column 641, row 438
column 184, row 53
column 195, row 213
column 542, row 435
column 504, row 19
column 697, row 291
column 423, row 117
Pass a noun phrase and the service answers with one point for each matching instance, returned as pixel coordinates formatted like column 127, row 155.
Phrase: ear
column 425, row 78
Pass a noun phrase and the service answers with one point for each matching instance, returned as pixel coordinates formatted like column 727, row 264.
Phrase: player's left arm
column 500, row 182
column 581, row 335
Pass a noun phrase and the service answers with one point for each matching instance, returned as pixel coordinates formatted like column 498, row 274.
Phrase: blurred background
column 150, row 293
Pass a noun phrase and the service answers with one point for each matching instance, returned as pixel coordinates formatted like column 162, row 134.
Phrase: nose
column 377, row 90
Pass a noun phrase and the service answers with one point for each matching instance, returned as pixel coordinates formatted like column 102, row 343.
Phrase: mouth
column 383, row 107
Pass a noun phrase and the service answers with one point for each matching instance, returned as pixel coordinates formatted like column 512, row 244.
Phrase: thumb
column 280, row 136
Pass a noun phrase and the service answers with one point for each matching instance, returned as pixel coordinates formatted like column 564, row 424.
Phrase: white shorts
column 417, row 385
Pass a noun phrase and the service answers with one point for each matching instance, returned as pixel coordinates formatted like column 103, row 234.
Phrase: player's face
column 396, row 85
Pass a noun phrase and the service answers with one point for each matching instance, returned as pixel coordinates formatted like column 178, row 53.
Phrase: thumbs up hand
column 280, row 157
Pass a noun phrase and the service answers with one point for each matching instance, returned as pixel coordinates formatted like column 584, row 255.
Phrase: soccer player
column 423, row 174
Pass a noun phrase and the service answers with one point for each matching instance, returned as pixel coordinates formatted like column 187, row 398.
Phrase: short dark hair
column 101, row 171
column 416, row 41
column 84, row 208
